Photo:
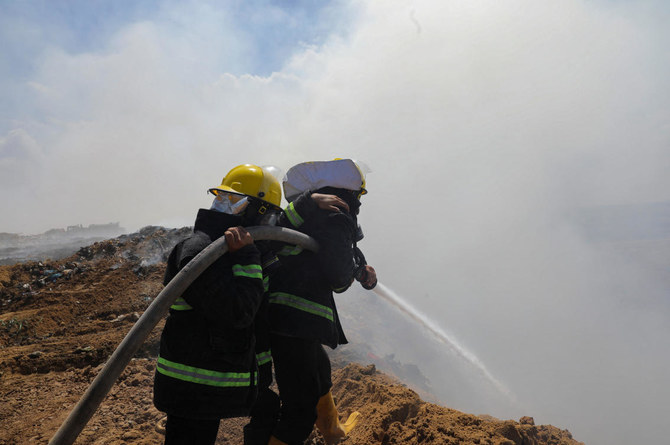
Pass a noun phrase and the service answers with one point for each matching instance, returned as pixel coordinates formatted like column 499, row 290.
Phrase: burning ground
column 60, row 320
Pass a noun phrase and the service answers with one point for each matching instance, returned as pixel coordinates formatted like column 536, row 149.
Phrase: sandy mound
column 60, row 320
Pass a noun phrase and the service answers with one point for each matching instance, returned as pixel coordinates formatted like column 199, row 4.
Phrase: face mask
column 229, row 203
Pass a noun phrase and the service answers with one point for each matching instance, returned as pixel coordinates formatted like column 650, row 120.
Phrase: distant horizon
column 591, row 218
column 73, row 228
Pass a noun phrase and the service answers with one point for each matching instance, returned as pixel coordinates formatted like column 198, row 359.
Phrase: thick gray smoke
column 493, row 129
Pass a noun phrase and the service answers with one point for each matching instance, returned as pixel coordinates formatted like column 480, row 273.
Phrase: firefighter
column 207, row 368
column 302, row 312
column 265, row 413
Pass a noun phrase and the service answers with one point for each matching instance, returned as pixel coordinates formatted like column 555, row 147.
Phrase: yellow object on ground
column 328, row 423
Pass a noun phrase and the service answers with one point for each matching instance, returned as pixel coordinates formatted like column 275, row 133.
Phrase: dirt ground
column 60, row 320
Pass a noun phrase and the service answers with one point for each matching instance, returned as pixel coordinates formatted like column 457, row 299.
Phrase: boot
column 328, row 423
column 274, row 441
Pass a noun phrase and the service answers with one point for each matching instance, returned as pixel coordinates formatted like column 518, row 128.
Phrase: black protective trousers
column 183, row 431
column 263, row 417
column 302, row 371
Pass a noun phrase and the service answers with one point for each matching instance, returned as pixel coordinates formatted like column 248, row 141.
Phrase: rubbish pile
column 40, row 275
column 148, row 246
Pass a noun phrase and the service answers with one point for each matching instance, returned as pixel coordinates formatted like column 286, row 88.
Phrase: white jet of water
column 390, row 296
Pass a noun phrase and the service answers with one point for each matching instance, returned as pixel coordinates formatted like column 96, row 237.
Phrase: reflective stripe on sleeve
column 181, row 305
column 293, row 216
column 263, row 357
column 290, row 250
column 270, row 262
column 202, row 376
column 249, row 271
column 301, row 304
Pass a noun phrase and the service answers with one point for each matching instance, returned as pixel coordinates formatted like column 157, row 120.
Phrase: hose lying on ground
column 96, row 392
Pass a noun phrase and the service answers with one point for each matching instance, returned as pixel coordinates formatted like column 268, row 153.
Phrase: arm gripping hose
column 96, row 392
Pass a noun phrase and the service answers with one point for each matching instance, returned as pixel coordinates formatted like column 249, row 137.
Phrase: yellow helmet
column 251, row 180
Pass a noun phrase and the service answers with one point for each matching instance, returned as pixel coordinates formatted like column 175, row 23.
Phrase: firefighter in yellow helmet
column 207, row 367
column 250, row 191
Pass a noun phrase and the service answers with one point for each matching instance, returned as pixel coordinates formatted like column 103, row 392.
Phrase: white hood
column 340, row 173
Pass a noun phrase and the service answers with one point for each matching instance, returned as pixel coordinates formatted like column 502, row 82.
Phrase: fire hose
column 103, row 382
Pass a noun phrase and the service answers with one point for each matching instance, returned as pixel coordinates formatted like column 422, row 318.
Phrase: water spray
column 439, row 334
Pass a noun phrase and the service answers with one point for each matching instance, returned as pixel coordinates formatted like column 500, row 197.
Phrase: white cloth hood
column 340, row 173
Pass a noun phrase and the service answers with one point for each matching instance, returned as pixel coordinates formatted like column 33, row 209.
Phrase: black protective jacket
column 207, row 365
column 301, row 292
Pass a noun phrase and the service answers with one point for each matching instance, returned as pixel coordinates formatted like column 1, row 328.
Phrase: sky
column 486, row 124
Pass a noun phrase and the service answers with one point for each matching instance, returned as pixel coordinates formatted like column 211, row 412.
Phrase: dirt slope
column 59, row 321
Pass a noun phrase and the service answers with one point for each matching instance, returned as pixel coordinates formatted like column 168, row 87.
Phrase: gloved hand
column 367, row 276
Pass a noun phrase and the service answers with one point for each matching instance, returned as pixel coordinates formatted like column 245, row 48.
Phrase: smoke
column 487, row 125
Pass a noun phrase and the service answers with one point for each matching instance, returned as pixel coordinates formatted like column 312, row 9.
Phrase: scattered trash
column 134, row 316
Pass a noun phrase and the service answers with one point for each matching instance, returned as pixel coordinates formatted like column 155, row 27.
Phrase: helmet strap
column 256, row 210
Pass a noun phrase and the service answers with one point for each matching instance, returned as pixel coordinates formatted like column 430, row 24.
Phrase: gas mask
column 230, row 203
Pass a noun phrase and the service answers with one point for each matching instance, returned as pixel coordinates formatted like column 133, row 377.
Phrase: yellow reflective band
column 202, row 376
column 249, row 271
column 290, row 250
column 270, row 262
column 301, row 304
column 293, row 216
column 264, row 357
column 181, row 305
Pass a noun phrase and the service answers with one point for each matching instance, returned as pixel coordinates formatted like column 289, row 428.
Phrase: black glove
column 361, row 276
